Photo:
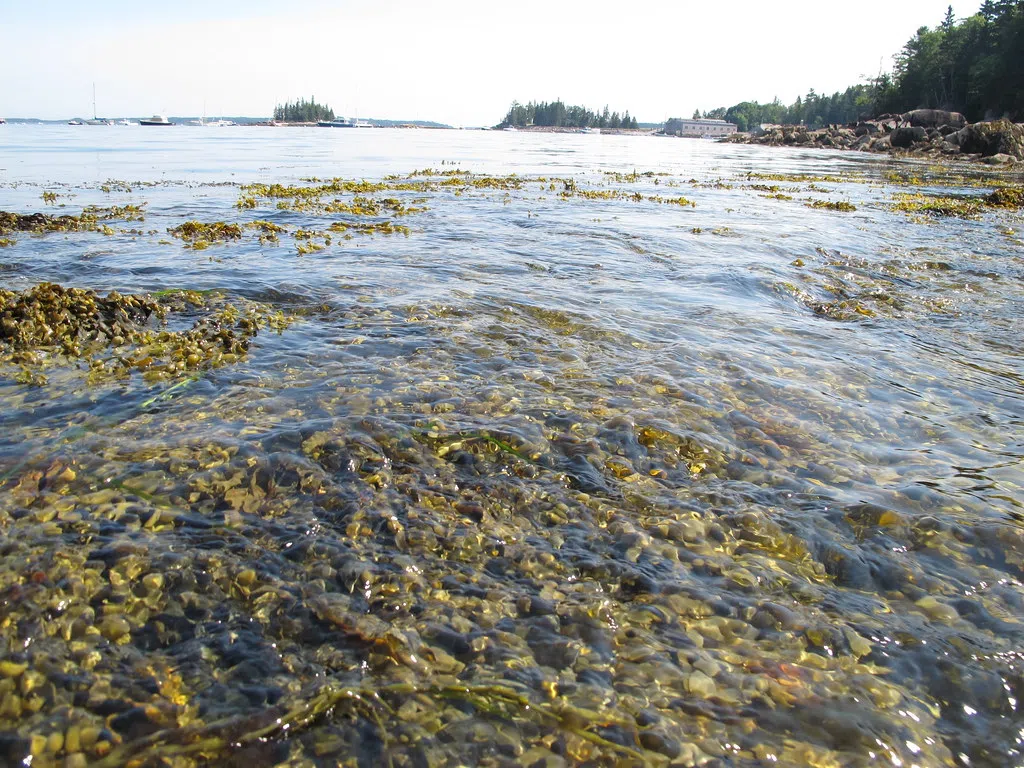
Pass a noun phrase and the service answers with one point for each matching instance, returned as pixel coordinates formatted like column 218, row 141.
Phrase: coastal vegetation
column 302, row 111
column 557, row 115
column 813, row 110
column 973, row 66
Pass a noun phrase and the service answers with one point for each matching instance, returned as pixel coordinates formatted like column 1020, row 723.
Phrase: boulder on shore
column 905, row 137
column 996, row 137
column 893, row 134
column 933, row 118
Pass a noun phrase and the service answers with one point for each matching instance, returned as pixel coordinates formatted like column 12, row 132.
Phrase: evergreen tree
column 558, row 114
column 303, row 111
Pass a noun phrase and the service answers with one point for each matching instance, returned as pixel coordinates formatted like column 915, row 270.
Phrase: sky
column 458, row 62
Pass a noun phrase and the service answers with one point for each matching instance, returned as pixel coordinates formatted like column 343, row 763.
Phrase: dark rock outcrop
column 933, row 118
column 905, row 137
column 998, row 137
column 897, row 134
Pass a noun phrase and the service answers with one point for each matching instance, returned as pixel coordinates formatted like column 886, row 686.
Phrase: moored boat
column 156, row 120
column 344, row 122
column 97, row 120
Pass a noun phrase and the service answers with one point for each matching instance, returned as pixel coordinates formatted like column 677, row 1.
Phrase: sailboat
column 97, row 120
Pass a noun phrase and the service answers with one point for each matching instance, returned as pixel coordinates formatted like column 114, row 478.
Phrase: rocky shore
column 922, row 132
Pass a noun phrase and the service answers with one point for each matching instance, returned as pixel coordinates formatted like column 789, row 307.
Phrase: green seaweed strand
column 236, row 732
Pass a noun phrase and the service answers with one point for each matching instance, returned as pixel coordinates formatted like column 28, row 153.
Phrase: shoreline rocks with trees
column 957, row 90
column 914, row 133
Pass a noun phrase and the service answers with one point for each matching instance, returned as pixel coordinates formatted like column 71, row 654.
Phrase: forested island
column 557, row 115
column 974, row 66
column 302, row 111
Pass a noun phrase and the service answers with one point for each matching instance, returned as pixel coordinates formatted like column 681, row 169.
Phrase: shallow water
column 566, row 472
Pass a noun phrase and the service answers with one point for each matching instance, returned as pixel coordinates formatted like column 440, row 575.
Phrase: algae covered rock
column 992, row 138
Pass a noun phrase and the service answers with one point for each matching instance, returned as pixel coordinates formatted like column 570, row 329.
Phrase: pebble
column 700, row 684
column 936, row 610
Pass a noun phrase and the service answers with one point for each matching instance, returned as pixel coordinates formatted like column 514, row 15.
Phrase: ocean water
column 506, row 448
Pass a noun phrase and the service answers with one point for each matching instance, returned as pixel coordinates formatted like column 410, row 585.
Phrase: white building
column 700, row 128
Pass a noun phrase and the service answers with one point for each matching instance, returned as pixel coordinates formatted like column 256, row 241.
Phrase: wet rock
column 937, row 611
column 551, row 649
column 977, row 614
column 659, row 742
column 535, row 606
column 133, row 723
column 700, row 684
column 456, row 642
column 848, row 567
column 585, row 476
column 1001, row 159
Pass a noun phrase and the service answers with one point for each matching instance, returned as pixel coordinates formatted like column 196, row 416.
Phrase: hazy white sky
column 456, row 61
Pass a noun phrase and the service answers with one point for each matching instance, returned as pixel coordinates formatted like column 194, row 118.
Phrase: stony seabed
column 283, row 527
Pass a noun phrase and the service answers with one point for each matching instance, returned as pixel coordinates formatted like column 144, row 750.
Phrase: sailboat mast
column 94, row 101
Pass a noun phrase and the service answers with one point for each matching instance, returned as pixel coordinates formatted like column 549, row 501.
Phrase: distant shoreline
column 568, row 129
column 239, row 122
column 243, row 122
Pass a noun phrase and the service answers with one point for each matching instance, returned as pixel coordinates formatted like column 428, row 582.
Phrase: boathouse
column 700, row 128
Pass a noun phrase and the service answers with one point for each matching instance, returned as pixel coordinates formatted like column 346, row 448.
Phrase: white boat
column 97, row 120
column 344, row 122
column 220, row 123
column 125, row 121
column 75, row 121
column 156, row 120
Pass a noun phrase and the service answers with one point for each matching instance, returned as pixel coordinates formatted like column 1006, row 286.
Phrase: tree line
column 302, row 111
column 558, row 115
column 974, row 66
column 812, row 110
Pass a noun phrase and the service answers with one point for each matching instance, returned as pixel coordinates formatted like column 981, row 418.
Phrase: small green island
column 302, row 111
column 556, row 114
